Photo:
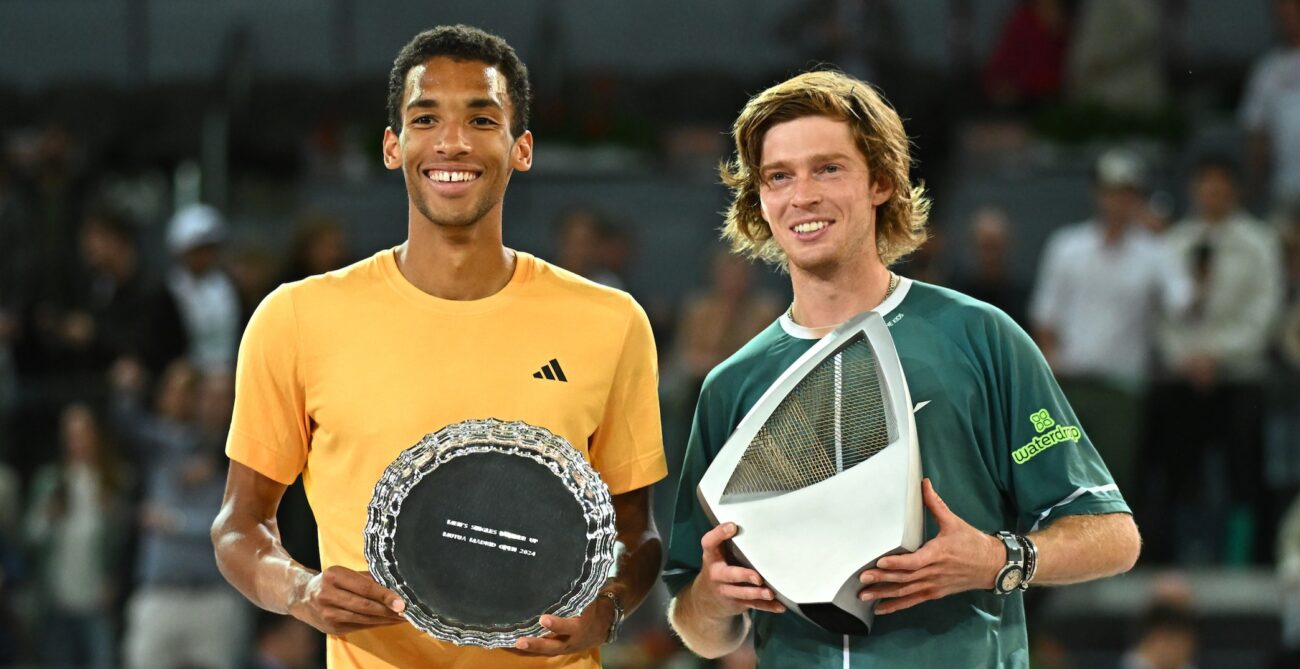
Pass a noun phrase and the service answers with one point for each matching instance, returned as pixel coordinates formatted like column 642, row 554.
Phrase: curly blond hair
column 878, row 133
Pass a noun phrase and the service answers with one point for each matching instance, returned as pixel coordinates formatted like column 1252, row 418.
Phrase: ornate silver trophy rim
column 481, row 436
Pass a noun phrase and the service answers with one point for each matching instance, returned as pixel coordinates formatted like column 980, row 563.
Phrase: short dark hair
column 1220, row 162
column 112, row 220
column 1162, row 617
column 461, row 42
column 571, row 214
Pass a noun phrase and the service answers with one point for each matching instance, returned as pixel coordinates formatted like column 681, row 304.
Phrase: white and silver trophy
column 823, row 476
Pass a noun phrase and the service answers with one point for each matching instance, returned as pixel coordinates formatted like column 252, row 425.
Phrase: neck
column 831, row 299
column 456, row 263
column 992, row 270
column 1112, row 229
column 1216, row 217
column 122, row 267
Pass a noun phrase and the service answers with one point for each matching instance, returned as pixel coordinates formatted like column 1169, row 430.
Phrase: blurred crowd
column 1173, row 324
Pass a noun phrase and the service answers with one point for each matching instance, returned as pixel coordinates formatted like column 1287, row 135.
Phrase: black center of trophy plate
column 490, row 539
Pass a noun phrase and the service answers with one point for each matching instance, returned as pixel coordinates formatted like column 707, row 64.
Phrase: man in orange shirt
column 341, row 372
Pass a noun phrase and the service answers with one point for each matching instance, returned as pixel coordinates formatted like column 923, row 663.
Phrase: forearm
column 1086, row 547
column 636, row 568
column 251, row 557
column 704, row 633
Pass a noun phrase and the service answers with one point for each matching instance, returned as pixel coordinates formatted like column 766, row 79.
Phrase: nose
column 452, row 141
column 806, row 194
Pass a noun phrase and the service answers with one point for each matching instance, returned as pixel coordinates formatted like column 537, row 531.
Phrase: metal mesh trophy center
column 485, row 525
column 823, row 476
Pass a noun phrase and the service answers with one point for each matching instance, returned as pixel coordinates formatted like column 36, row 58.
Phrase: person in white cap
column 204, row 292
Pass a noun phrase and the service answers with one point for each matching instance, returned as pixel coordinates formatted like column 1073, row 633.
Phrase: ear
column 881, row 191
column 392, row 150
column 521, row 154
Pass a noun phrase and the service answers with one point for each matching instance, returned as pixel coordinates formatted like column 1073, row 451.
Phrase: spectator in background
column 11, row 564
column 10, row 506
column 16, row 279
column 1288, row 572
column 110, row 309
column 120, row 312
column 1236, row 269
column 1115, row 57
column 77, row 526
column 204, row 292
column 55, row 185
column 1289, row 337
column 1101, row 286
column 1027, row 64
column 1270, row 112
column 616, row 255
column 11, row 627
column 712, row 325
column 1284, row 433
column 717, row 322
column 929, row 263
column 989, row 276
column 1208, row 401
column 182, row 611
column 581, row 233
column 256, row 271
column 1166, row 639
column 320, row 244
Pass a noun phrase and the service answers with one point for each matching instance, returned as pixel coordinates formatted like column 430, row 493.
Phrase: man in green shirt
column 821, row 188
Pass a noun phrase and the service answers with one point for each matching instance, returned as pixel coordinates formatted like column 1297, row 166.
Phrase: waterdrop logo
column 1047, row 436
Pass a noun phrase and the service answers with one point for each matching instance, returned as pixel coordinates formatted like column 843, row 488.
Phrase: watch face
column 1011, row 579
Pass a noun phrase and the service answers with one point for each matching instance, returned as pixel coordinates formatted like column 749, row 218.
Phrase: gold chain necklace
column 893, row 283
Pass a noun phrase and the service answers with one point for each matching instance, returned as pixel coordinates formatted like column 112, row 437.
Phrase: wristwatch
column 1012, row 574
column 617, row 622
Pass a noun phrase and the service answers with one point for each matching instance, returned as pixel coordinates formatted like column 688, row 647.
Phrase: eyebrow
column 817, row 158
column 484, row 103
column 476, row 103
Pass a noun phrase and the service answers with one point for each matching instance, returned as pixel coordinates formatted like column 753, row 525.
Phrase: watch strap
column 617, row 622
column 1031, row 560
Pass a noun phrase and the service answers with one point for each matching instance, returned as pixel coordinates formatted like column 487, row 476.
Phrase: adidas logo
column 551, row 371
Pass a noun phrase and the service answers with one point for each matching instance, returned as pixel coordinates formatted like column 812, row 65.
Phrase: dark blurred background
column 1121, row 176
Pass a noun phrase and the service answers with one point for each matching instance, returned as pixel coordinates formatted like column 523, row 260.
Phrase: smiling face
column 81, row 440
column 455, row 148
column 1215, row 193
column 817, row 194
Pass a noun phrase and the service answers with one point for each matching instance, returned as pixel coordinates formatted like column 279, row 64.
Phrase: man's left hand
column 958, row 559
column 571, row 635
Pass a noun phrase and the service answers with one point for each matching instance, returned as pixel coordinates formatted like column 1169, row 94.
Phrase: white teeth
column 446, row 176
column 813, row 226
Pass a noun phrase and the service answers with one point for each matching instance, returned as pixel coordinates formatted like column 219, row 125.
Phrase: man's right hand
column 722, row 590
column 340, row 600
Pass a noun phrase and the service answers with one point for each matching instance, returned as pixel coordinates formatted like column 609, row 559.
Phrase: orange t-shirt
column 340, row 373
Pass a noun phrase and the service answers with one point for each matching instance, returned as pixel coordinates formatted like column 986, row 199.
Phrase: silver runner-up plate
column 484, row 526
